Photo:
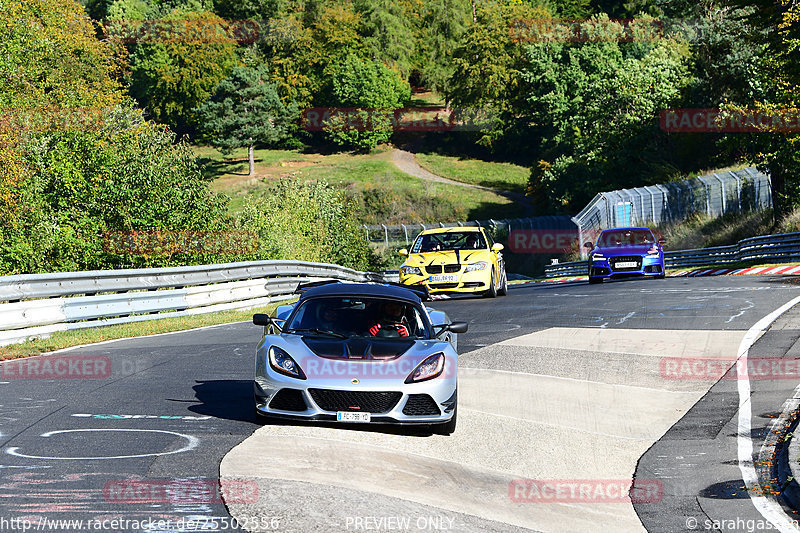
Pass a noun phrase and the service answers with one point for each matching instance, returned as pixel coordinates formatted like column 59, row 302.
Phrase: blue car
column 625, row 252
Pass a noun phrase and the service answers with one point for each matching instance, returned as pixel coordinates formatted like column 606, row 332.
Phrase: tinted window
column 625, row 237
column 357, row 317
column 436, row 242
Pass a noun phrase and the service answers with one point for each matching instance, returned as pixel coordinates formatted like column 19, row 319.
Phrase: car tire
column 492, row 292
column 503, row 290
column 593, row 281
column 660, row 276
column 449, row 427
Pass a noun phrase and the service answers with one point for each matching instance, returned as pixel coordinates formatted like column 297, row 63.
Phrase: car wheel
column 492, row 292
column 660, row 276
column 593, row 281
column 449, row 427
column 504, row 286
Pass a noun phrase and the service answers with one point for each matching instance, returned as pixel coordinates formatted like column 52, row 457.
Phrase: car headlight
column 598, row 256
column 652, row 256
column 410, row 271
column 430, row 368
column 282, row 362
column 480, row 265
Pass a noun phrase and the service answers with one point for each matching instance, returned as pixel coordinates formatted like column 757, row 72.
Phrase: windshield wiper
column 317, row 331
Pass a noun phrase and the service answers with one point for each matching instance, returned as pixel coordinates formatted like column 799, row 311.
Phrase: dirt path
column 407, row 162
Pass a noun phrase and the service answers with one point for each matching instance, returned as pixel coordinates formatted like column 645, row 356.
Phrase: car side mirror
column 261, row 319
column 403, row 252
column 459, row 327
column 588, row 245
column 496, row 247
column 454, row 327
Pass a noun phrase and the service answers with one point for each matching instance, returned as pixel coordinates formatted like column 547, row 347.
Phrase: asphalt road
column 560, row 382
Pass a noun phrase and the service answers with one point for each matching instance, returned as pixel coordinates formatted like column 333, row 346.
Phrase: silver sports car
column 359, row 352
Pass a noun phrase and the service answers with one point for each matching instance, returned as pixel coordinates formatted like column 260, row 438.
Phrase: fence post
column 738, row 188
column 386, row 234
column 708, row 196
column 722, row 189
column 366, row 229
column 405, row 231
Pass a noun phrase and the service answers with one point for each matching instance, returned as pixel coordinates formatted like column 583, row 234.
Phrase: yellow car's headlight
column 480, row 265
column 410, row 271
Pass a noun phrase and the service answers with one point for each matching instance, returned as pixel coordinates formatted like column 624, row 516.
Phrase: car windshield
column 625, row 237
column 348, row 316
column 436, row 242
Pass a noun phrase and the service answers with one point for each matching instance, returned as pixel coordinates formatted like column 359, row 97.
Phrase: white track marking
column 191, row 444
column 769, row 509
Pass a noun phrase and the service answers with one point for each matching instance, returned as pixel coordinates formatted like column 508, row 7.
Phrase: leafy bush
column 309, row 221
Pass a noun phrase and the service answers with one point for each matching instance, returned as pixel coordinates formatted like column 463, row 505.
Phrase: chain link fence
column 714, row 195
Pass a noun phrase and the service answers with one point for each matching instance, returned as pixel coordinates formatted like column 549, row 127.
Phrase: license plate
column 626, row 264
column 350, row 416
column 446, row 277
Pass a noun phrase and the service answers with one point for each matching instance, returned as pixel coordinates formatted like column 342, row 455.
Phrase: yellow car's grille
column 438, row 269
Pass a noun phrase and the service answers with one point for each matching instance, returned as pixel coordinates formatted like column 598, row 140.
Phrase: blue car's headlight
column 480, row 265
column 282, row 362
column 652, row 256
column 598, row 256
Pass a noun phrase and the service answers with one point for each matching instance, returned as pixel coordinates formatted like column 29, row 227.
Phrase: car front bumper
column 390, row 400
column 607, row 268
column 463, row 282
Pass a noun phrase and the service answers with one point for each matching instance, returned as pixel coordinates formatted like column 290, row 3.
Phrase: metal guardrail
column 36, row 305
column 780, row 248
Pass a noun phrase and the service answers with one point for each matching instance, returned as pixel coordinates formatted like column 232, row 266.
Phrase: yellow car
column 457, row 260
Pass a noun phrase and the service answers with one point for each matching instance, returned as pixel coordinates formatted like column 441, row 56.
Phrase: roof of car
column 626, row 229
column 456, row 229
column 362, row 289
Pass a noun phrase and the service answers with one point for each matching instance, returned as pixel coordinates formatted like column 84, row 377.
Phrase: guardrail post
column 386, row 234
column 405, row 231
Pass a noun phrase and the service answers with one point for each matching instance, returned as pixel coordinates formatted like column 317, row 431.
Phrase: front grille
column 434, row 269
column 438, row 269
column 288, row 400
column 450, row 269
column 626, row 258
column 443, row 285
column 421, row 405
column 365, row 402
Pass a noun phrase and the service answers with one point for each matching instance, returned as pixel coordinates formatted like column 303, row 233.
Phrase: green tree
column 375, row 92
column 172, row 76
column 388, row 28
column 443, row 25
column 246, row 110
column 594, row 107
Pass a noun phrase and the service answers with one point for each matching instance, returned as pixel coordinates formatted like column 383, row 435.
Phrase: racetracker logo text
column 181, row 491
column 543, row 241
column 58, row 367
column 693, row 369
column 585, row 490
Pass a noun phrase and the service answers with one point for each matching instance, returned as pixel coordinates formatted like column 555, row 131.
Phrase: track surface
column 557, row 382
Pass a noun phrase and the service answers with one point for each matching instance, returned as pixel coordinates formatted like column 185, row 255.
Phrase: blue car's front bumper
column 627, row 265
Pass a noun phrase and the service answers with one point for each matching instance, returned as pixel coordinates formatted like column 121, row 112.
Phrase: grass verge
column 383, row 194
column 502, row 176
column 67, row 339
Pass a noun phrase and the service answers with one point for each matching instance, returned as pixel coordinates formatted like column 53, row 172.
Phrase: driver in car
column 392, row 322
